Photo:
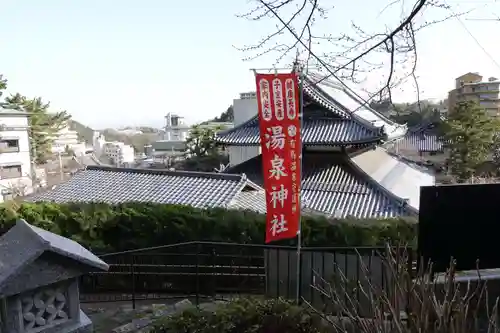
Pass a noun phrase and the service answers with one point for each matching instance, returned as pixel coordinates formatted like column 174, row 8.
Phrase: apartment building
column 472, row 86
column 16, row 169
column 119, row 153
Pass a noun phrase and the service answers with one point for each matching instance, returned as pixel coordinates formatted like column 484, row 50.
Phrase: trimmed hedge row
column 106, row 228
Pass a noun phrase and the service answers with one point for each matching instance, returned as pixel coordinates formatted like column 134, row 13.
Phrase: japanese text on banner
column 279, row 123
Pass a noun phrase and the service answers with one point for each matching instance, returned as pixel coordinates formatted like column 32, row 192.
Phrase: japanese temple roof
column 345, row 119
column 117, row 185
column 396, row 175
column 334, row 186
column 336, row 97
column 422, row 143
column 318, row 129
column 423, row 138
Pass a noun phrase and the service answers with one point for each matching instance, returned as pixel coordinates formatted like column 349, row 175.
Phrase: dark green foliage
column 226, row 116
column 42, row 123
column 85, row 133
column 246, row 315
column 208, row 163
column 470, row 133
column 106, row 228
column 201, row 141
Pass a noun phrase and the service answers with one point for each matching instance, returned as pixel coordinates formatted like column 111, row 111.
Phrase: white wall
column 244, row 109
column 127, row 154
column 14, row 126
column 240, row 154
column 176, row 134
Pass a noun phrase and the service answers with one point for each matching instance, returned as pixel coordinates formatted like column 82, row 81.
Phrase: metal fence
column 199, row 270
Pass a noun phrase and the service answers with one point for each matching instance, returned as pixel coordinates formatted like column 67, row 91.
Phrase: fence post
column 132, row 271
column 197, row 274
column 409, row 278
column 214, row 273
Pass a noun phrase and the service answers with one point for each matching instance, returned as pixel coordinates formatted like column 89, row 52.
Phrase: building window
column 10, row 171
column 9, row 146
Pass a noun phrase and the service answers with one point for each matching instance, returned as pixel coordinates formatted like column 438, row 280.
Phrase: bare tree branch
column 390, row 54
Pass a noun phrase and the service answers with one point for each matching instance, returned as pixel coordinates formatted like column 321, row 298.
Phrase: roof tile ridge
column 172, row 173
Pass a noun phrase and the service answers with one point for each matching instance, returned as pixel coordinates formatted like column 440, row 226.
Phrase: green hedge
column 249, row 315
column 127, row 226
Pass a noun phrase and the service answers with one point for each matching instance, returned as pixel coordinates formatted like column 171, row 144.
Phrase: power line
column 471, row 35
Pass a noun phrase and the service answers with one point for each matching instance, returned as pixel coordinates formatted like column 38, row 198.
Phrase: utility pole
column 61, row 170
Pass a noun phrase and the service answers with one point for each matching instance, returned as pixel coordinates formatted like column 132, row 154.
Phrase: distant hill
column 85, row 133
column 138, row 141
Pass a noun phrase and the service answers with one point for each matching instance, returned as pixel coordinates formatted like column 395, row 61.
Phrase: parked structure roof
column 334, row 186
column 118, row 185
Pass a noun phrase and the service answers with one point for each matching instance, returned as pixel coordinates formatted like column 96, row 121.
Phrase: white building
column 119, row 153
column 98, row 142
column 65, row 139
column 245, row 109
column 16, row 169
column 176, row 128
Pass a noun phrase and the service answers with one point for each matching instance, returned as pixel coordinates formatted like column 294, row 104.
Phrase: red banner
column 279, row 122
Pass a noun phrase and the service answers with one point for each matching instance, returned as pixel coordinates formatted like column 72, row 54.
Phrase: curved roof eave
column 392, row 129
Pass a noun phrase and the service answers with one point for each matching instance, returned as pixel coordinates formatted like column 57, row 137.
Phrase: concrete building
column 175, row 128
column 16, row 169
column 119, row 153
column 472, row 87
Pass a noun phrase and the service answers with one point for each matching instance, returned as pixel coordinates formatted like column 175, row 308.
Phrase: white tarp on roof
column 340, row 93
column 395, row 175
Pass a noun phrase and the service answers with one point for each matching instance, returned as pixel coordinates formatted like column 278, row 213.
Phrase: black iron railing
column 220, row 270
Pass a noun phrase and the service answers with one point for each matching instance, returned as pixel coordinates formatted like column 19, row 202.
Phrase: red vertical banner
column 279, row 123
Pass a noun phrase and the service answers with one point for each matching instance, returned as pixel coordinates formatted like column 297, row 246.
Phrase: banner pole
column 299, row 232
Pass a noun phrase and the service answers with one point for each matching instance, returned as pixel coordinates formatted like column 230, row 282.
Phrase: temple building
column 346, row 169
column 422, row 140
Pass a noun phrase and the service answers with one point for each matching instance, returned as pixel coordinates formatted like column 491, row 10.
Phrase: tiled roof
column 395, row 175
column 336, row 97
column 253, row 200
column 319, row 128
column 423, row 138
column 117, row 185
column 332, row 186
column 419, row 143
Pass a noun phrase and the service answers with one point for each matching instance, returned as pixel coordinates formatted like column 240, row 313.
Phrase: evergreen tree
column 470, row 134
column 42, row 123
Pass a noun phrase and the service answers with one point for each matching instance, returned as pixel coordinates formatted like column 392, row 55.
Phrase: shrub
column 244, row 316
column 106, row 228
column 409, row 302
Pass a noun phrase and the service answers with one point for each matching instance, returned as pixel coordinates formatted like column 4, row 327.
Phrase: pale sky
column 116, row 63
